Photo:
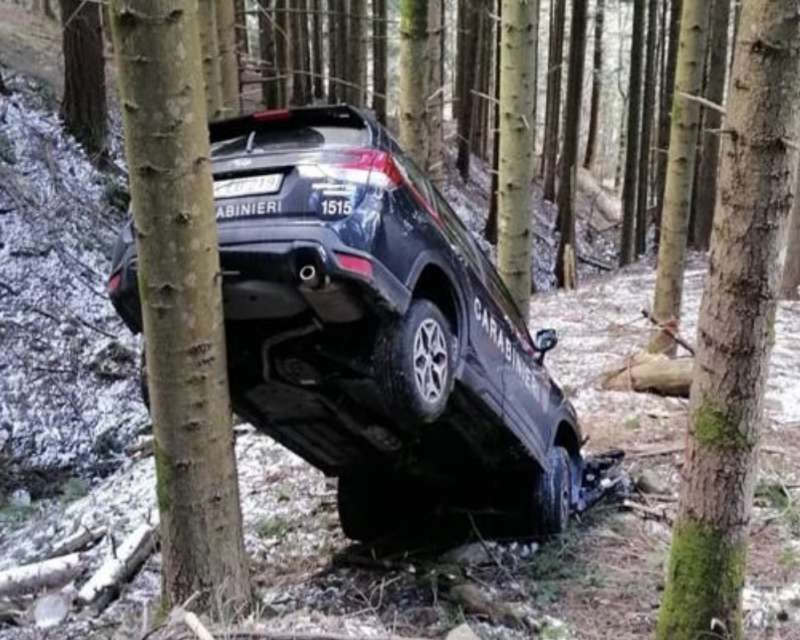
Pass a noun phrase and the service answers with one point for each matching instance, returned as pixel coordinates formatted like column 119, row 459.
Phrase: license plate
column 251, row 186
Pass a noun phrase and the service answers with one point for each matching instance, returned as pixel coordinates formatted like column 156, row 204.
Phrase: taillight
column 354, row 264
column 114, row 281
column 272, row 115
column 380, row 169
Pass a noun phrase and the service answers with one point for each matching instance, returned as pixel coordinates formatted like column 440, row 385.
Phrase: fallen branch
column 78, row 541
column 193, row 622
column 658, row 451
column 38, row 576
column 669, row 331
column 648, row 512
column 104, row 585
column 263, row 634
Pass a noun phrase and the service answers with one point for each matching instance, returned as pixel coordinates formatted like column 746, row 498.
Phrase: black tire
column 398, row 372
column 553, row 494
column 365, row 507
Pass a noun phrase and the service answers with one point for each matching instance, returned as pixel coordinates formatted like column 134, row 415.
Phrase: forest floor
column 601, row 579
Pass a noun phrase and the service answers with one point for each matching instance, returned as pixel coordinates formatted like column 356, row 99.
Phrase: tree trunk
column 707, row 564
column 209, row 43
column 167, row 150
column 283, row 57
column 379, row 59
column 468, row 54
column 356, row 62
column 270, row 90
column 480, row 110
column 552, row 117
column 566, row 266
column 304, row 50
column 597, row 87
column 648, row 112
column 435, row 99
column 343, row 46
column 412, row 83
column 680, row 170
column 298, row 52
column 490, row 229
column 516, row 150
column 242, row 45
column 48, row 10
column 83, row 107
column 706, row 183
column 791, row 269
column 627, row 251
column 317, row 51
column 665, row 111
column 229, row 64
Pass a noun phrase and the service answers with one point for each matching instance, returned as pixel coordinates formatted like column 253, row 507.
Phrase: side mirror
column 545, row 340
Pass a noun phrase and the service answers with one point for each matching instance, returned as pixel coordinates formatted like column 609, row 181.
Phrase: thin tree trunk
column 413, row 88
column 298, row 51
column 356, row 63
column 790, row 283
column 229, row 64
column 480, row 113
column 516, row 150
column 283, row 57
column 627, row 251
column 209, row 43
column 242, row 46
column 270, row 91
column 435, row 99
column 597, row 87
column 317, row 51
column 468, row 54
column 665, row 117
column 553, row 109
column 566, row 265
column 343, row 48
column 680, row 171
column 83, row 107
column 707, row 564
column 202, row 547
column 379, row 59
column 648, row 112
column 490, row 229
column 706, row 184
column 304, row 49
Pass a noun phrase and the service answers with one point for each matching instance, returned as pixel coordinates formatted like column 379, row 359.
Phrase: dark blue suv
column 368, row 333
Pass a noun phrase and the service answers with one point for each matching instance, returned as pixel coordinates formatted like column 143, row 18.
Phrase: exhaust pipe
column 309, row 276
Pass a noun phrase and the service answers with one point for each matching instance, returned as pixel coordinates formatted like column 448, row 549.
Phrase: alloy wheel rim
column 430, row 360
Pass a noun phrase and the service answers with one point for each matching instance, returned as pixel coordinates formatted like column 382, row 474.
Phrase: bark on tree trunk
column 283, row 58
column 566, row 266
column 83, row 107
column 680, row 170
column 229, row 64
column 343, row 45
column 791, row 271
column 552, row 117
column 435, row 99
column 317, row 51
column 356, row 63
column 706, row 183
column 270, row 91
column 627, row 252
column 468, row 54
column 597, row 87
column 490, row 229
column 298, row 51
column 209, row 43
column 379, row 59
column 167, row 149
column 413, row 88
column 648, row 111
column 242, row 46
column 665, row 117
column 707, row 564
column 516, row 150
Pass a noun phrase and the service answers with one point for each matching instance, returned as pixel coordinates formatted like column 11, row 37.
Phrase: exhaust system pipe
column 309, row 276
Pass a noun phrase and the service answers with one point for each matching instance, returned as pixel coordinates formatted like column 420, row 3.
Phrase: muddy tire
column 414, row 364
column 365, row 507
column 553, row 494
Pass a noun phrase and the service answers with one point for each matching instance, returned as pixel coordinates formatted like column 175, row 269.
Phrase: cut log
column 600, row 202
column 104, row 585
column 48, row 574
column 651, row 373
column 78, row 541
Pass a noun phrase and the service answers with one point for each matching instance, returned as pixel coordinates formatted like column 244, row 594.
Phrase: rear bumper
column 251, row 251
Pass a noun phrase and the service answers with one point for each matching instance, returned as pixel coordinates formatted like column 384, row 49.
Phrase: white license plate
column 251, row 186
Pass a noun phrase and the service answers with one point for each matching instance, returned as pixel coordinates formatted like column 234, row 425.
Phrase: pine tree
column 632, row 146
column 680, row 170
column 229, row 64
column 707, row 564
column 566, row 265
column 466, row 63
column 83, row 108
column 516, row 150
column 412, row 83
column 648, row 113
column 270, row 86
column 167, row 149
column 552, row 116
column 714, row 91
column 597, row 87
column 209, row 43
column 380, row 59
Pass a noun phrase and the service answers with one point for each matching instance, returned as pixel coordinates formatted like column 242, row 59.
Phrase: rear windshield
column 299, row 137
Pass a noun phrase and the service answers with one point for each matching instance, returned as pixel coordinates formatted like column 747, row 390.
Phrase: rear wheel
column 415, row 364
column 553, row 494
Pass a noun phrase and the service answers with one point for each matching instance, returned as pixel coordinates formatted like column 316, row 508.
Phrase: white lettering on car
column 246, row 209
